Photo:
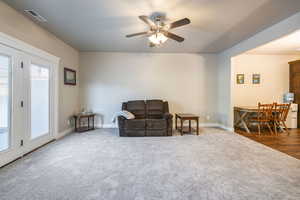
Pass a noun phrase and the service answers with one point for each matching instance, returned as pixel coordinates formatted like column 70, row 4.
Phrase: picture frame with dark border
column 69, row 76
column 240, row 78
column 255, row 78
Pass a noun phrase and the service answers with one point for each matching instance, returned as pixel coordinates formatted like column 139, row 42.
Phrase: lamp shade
column 158, row 38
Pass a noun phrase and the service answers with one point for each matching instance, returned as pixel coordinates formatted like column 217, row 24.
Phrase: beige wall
column 225, row 76
column 18, row 26
column 187, row 81
column 274, row 71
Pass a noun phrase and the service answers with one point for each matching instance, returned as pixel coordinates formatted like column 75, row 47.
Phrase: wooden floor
column 289, row 144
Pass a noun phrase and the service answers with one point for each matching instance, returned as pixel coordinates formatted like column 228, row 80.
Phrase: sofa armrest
column 121, row 122
column 168, row 116
column 120, row 118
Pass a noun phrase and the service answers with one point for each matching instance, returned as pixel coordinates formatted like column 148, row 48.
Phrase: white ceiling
column 101, row 25
column 289, row 44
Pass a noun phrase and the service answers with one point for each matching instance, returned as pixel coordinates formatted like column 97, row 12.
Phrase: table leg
column 175, row 122
column 181, row 123
column 243, row 117
column 190, row 126
column 93, row 123
column 79, row 124
column 197, row 124
column 75, row 119
column 239, row 118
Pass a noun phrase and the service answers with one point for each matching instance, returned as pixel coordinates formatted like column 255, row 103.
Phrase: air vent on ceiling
column 35, row 15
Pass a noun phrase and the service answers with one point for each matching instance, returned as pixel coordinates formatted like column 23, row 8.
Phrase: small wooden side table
column 184, row 117
column 81, row 126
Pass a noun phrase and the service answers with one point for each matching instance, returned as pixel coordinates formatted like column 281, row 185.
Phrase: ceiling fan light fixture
column 158, row 38
column 159, row 31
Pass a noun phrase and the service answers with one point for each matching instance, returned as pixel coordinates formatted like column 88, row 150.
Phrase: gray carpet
column 101, row 165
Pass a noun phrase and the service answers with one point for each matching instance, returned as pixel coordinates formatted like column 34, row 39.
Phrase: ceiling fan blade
column 179, row 23
column 137, row 34
column 148, row 21
column 173, row 36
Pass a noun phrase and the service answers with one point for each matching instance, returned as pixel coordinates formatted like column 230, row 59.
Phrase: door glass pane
column 5, row 77
column 39, row 101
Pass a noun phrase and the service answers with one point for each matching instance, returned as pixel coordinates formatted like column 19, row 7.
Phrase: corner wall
column 225, row 76
column 20, row 27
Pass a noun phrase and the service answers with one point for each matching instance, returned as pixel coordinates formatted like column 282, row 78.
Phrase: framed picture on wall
column 256, row 78
column 240, row 78
column 69, row 76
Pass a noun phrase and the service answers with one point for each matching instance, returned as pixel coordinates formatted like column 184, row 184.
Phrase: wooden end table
column 82, row 127
column 186, row 117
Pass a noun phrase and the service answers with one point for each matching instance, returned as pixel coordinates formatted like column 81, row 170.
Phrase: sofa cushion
column 135, row 124
column 155, row 109
column 138, row 108
column 156, row 124
column 135, row 133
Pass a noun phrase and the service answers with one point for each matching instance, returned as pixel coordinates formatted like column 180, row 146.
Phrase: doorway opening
column 265, row 75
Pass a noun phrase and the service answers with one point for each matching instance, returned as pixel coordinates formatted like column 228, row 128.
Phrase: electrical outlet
column 207, row 117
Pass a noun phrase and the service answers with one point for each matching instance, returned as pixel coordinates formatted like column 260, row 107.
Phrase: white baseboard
column 209, row 125
column 201, row 125
column 226, row 128
column 106, row 125
column 215, row 125
column 110, row 126
column 64, row 133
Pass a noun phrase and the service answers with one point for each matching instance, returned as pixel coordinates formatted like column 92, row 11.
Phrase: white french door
column 26, row 103
column 38, row 81
column 11, row 112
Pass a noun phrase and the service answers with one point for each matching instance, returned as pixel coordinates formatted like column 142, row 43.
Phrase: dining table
column 242, row 113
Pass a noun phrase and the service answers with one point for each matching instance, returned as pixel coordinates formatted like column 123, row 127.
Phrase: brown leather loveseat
column 152, row 118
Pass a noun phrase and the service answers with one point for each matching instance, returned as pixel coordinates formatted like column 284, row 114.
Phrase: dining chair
column 281, row 112
column 264, row 116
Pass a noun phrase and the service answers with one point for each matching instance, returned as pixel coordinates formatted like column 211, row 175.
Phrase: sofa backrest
column 151, row 109
column 155, row 109
column 138, row 108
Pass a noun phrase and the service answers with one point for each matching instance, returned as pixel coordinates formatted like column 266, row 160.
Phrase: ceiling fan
column 159, row 31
